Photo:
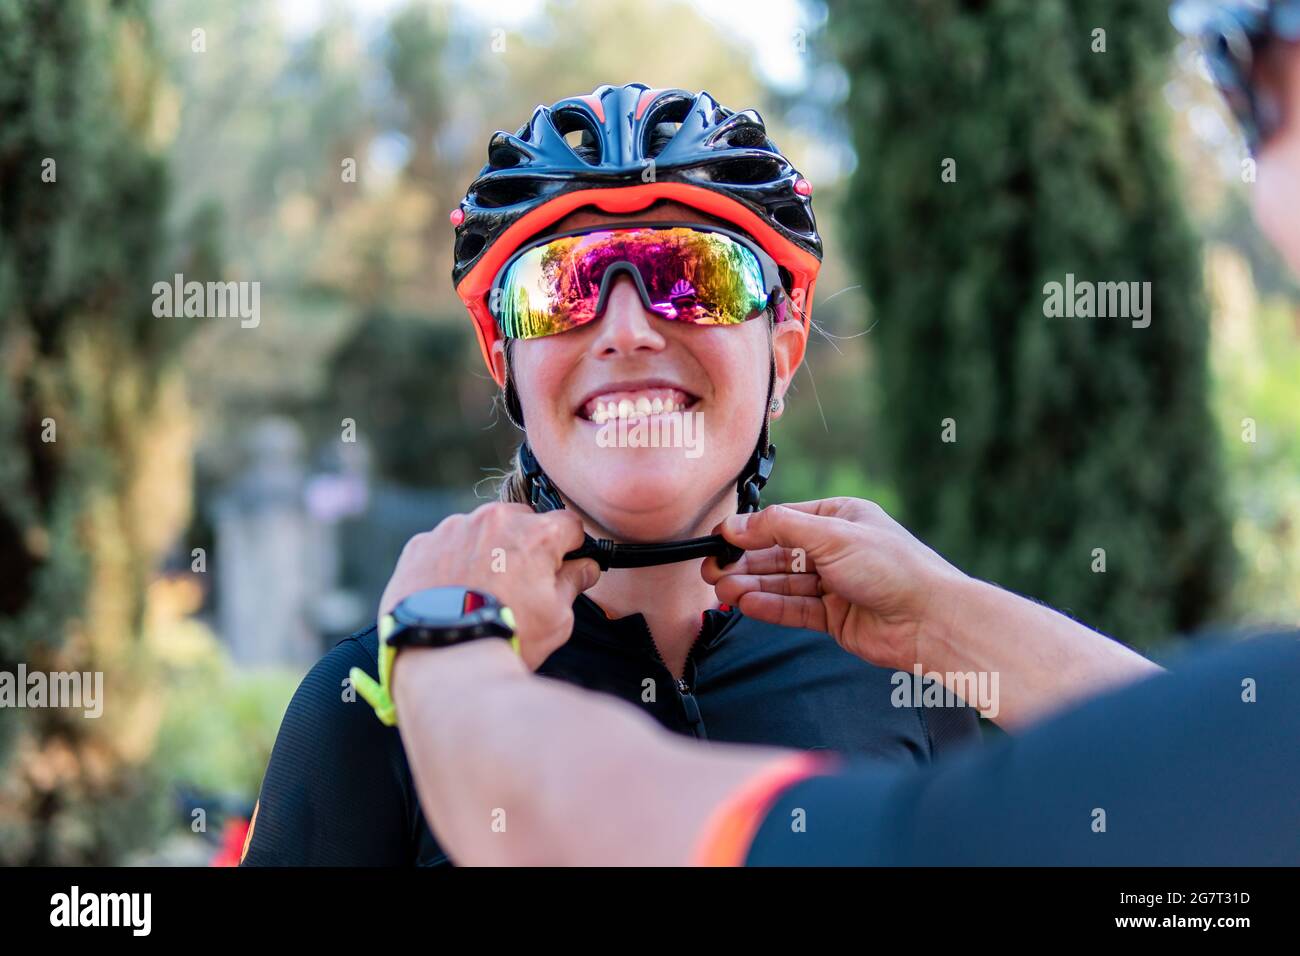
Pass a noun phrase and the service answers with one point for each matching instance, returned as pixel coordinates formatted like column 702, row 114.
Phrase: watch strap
column 378, row 693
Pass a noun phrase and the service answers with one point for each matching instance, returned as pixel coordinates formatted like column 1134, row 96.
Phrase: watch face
column 441, row 607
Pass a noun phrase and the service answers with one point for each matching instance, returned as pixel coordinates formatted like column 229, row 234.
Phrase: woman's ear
column 788, row 345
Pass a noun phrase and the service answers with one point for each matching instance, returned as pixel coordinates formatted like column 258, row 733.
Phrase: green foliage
column 219, row 724
column 425, row 417
column 81, row 199
column 1257, row 372
column 1072, row 434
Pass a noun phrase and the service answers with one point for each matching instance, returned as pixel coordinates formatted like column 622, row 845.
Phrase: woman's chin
column 643, row 510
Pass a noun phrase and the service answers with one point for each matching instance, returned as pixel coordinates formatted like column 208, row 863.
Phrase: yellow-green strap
column 379, row 694
column 508, row 616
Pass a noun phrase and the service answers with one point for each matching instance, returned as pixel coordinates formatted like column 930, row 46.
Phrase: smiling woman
column 687, row 296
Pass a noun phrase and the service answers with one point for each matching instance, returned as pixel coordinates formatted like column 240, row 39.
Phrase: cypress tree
column 85, row 406
column 1004, row 145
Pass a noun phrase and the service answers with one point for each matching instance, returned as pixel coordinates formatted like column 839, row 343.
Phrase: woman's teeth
column 635, row 405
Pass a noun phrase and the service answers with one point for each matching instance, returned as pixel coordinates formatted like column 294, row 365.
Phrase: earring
column 776, row 405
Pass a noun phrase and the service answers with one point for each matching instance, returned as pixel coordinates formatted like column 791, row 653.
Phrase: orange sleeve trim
column 731, row 828
column 248, row 837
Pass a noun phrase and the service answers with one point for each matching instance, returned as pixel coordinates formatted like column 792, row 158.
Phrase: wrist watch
column 442, row 617
column 435, row 617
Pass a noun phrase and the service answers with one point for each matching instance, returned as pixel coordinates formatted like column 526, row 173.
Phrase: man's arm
column 532, row 771
column 1045, row 662
column 1196, row 767
column 887, row 598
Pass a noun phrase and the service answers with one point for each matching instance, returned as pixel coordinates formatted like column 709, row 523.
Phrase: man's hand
column 512, row 553
column 839, row 565
column 845, row 567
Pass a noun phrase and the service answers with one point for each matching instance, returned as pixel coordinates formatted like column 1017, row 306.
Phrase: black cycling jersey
column 1197, row 767
column 338, row 791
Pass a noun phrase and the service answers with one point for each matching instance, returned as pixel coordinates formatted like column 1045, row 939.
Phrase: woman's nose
column 626, row 327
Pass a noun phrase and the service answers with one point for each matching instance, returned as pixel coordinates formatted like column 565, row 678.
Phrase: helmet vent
column 749, row 136
column 504, row 157
column 576, row 128
column 469, row 245
column 662, row 122
column 505, row 191
column 794, row 216
column 659, row 138
column 748, row 171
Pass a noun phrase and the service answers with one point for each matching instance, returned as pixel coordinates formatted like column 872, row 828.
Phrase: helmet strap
column 759, row 468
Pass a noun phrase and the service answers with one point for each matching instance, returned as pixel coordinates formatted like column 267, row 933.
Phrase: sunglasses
column 697, row 274
column 1232, row 34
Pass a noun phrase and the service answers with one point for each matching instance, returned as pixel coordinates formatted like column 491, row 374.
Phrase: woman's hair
column 513, row 488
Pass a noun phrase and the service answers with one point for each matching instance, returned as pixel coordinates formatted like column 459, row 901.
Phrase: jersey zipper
column 685, row 694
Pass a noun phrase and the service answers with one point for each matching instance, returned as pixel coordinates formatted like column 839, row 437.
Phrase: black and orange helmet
column 636, row 146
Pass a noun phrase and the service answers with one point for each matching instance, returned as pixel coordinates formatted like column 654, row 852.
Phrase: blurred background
column 218, row 504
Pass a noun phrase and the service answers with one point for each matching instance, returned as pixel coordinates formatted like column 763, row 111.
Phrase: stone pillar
column 264, row 543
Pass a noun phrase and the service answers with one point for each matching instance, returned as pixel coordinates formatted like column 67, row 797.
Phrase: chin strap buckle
column 749, row 490
column 542, row 495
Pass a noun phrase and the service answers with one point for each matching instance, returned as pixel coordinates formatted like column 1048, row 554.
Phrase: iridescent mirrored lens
column 689, row 275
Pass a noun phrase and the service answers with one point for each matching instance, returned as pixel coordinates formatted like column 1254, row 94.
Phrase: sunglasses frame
column 771, row 272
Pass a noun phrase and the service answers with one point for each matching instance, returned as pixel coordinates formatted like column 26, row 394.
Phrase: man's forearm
column 447, row 749
column 1044, row 660
column 516, row 769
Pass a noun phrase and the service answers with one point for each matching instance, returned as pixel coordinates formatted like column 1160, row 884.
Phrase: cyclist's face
column 1276, row 197
column 714, row 378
